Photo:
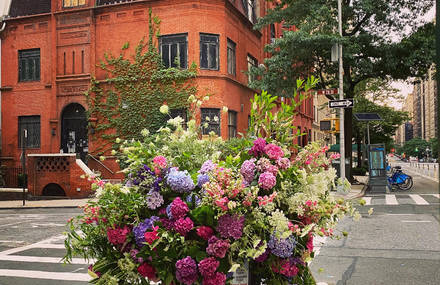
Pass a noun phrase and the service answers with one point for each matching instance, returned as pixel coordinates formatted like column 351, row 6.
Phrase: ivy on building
column 128, row 99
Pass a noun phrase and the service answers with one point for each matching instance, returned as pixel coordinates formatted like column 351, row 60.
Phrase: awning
column 335, row 147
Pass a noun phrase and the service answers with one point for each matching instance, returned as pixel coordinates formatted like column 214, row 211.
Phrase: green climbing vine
column 128, row 100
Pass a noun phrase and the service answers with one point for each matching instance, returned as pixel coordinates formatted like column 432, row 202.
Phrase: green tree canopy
column 381, row 39
column 415, row 147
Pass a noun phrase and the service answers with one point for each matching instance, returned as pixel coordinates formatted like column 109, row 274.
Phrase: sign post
column 23, row 163
column 341, row 95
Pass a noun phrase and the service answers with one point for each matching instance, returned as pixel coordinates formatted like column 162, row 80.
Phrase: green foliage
column 128, row 100
column 434, row 147
column 415, row 147
column 278, row 125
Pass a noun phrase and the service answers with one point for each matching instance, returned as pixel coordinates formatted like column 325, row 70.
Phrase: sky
column 404, row 87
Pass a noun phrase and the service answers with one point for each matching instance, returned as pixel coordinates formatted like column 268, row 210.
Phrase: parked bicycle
column 398, row 180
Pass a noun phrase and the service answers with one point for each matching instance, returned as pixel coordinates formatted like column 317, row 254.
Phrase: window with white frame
column 210, row 120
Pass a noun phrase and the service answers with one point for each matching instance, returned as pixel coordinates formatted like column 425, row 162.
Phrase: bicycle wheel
column 407, row 184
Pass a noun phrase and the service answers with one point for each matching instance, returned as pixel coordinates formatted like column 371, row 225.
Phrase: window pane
column 204, row 56
column 213, row 120
column 213, row 56
column 166, row 55
column 182, row 55
column 32, row 125
column 173, row 55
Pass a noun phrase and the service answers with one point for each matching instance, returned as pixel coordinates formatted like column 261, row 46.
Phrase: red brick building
column 50, row 49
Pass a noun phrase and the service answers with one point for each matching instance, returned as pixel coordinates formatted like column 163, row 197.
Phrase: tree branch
column 357, row 27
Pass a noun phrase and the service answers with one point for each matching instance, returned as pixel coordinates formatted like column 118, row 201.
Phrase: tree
column 128, row 100
column 381, row 39
column 415, row 147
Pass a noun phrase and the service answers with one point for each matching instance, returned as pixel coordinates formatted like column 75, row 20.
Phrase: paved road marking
column 418, row 199
column 6, row 225
column 416, row 221
column 40, row 259
column 436, row 195
column 48, row 245
column 45, row 275
column 391, row 200
column 367, row 200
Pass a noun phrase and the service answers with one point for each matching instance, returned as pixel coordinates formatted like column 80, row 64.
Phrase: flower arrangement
column 187, row 215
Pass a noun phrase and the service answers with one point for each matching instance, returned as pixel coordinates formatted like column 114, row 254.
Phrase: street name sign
column 345, row 103
column 333, row 91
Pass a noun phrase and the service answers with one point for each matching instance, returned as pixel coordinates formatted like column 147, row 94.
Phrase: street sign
column 344, row 103
column 333, row 91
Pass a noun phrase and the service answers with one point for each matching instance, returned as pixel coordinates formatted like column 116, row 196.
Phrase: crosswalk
column 402, row 199
column 41, row 260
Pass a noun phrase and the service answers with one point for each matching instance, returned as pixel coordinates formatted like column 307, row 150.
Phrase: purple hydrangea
column 217, row 247
column 168, row 210
column 206, row 167
column 263, row 164
column 180, row 181
column 248, row 170
column 267, row 180
column 140, row 230
column 202, row 179
column 154, row 200
column 193, row 198
column 230, row 226
column 258, row 148
column 186, row 270
column 282, row 247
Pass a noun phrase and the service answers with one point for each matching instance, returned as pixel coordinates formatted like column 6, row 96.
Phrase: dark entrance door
column 74, row 137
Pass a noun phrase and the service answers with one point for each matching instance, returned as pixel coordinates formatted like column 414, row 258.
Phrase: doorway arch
column 53, row 189
column 74, row 137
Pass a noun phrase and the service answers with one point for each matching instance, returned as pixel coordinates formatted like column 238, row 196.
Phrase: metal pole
column 23, row 163
column 368, row 132
column 341, row 96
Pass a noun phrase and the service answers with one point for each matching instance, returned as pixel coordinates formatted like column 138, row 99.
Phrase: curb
column 38, row 207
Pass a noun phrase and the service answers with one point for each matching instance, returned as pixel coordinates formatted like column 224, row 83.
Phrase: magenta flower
column 267, row 180
column 183, row 225
column 283, row 163
column 230, row 226
column 208, row 266
column 186, row 270
column 160, row 161
column 273, row 151
column 118, row 235
column 217, row 247
column 217, row 278
column 178, row 208
column 205, row 232
column 258, row 148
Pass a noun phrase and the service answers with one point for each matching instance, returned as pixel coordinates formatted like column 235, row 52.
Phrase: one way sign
column 345, row 103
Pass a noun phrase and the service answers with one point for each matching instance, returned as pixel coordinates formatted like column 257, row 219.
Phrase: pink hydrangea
column 118, row 235
column 273, row 169
column 183, row 225
column 309, row 244
column 208, row 266
column 230, row 226
column 286, row 268
column 258, row 148
column 283, row 163
column 205, row 232
column 267, row 180
column 160, row 161
column 217, row 278
column 273, row 151
column 263, row 164
column 178, row 208
column 217, row 247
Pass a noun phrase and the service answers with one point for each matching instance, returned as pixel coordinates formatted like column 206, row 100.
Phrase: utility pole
column 341, row 96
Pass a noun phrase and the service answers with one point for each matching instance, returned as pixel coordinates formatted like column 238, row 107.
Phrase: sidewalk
column 356, row 191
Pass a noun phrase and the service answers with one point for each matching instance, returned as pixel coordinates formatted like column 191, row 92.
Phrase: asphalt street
column 398, row 244
column 32, row 245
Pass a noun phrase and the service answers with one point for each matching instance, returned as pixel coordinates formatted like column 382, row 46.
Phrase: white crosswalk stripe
column 402, row 199
column 418, row 199
column 28, row 261
column 391, row 200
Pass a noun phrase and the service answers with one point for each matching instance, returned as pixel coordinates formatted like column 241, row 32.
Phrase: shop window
column 210, row 116
column 174, row 50
column 29, row 65
column 31, row 126
column 232, row 124
column 209, row 47
column 231, row 57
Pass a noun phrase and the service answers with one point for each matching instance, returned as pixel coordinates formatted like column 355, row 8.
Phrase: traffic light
column 330, row 125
